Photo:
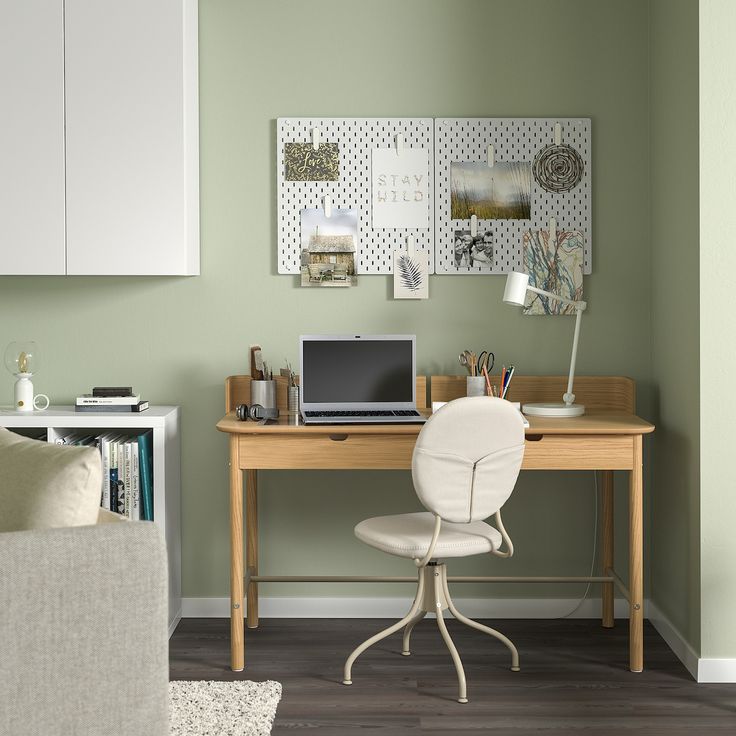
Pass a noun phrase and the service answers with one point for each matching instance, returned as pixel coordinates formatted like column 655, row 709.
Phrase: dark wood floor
column 574, row 678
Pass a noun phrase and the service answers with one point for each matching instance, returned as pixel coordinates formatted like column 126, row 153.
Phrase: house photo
column 367, row 367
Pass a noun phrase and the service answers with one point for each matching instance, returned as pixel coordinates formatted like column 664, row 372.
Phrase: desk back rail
column 598, row 393
column 237, row 391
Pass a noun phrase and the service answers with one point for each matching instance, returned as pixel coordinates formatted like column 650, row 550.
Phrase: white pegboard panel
column 513, row 139
column 356, row 137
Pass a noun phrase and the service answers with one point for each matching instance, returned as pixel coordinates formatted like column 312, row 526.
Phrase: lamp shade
column 515, row 291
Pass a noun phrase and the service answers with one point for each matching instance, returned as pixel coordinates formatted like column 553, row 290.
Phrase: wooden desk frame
column 607, row 438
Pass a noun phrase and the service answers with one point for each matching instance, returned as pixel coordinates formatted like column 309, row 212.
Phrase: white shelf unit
column 164, row 423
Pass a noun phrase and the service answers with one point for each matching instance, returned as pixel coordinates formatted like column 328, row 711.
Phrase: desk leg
column 251, row 549
column 237, row 634
column 636, row 576
column 607, row 545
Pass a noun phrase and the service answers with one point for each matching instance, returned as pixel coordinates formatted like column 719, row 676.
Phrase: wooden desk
column 607, row 438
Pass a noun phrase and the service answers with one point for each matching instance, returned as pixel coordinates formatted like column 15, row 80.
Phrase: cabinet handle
column 534, row 437
column 338, row 437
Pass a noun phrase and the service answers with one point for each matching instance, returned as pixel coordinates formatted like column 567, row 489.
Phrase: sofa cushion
column 44, row 485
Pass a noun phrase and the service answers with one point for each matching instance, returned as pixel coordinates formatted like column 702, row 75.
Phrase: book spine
column 135, row 481
column 114, row 501
column 126, row 479
column 107, row 400
column 146, row 479
column 105, row 451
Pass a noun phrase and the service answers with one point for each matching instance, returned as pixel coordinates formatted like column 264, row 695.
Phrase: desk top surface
column 598, row 422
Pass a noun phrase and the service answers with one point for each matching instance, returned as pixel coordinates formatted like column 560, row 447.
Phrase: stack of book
column 106, row 399
column 127, row 470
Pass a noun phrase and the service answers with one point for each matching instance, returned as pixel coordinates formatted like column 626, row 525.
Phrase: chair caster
column 462, row 700
column 516, row 669
column 347, row 682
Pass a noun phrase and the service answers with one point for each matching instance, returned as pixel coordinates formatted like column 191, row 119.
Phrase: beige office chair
column 465, row 465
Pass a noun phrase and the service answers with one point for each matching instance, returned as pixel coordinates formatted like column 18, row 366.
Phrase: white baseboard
column 674, row 640
column 702, row 670
column 720, row 670
column 345, row 607
column 717, row 670
column 174, row 622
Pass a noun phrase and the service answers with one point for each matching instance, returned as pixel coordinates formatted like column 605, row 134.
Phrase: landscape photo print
column 499, row 192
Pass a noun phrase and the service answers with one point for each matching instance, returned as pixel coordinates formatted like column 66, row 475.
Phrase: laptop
column 358, row 379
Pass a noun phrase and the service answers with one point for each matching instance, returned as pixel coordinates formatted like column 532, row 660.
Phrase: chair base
column 433, row 595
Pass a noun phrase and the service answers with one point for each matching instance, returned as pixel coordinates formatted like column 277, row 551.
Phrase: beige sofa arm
column 83, row 631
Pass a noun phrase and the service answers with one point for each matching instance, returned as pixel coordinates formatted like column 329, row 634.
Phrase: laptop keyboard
column 369, row 413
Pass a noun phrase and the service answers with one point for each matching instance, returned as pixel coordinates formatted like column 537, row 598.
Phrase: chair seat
column 409, row 535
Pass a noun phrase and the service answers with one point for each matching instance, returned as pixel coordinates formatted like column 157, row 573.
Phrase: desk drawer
column 576, row 452
column 312, row 452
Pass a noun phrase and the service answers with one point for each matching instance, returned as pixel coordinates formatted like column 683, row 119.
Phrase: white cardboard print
column 400, row 188
column 411, row 274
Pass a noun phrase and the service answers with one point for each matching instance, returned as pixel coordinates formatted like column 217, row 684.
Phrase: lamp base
column 553, row 410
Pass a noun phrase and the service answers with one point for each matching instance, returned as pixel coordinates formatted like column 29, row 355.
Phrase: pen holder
column 263, row 393
column 475, row 386
column 292, row 399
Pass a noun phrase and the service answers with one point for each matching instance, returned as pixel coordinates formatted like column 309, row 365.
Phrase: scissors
column 469, row 360
column 486, row 359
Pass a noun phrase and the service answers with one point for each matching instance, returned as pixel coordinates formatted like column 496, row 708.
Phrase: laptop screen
column 357, row 371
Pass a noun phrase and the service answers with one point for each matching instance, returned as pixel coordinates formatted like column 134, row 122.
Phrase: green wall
column 675, row 505
column 175, row 339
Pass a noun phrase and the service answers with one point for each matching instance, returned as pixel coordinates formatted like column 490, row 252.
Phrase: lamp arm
column 580, row 306
column 569, row 397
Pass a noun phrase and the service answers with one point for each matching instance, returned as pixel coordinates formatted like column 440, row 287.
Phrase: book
column 89, row 400
column 105, row 452
column 135, row 480
column 112, row 391
column 124, row 473
column 112, row 408
column 114, row 475
column 145, row 452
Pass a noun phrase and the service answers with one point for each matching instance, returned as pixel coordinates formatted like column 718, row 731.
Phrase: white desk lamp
column 517, row 285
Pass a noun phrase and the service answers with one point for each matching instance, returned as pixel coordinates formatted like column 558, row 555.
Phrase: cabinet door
column 32, row 137
column 132, row 173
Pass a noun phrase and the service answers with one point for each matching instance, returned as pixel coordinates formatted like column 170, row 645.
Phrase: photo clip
column 327, row 203
column 410, row 245
column 399, row 143
column 315, row 138
column 552, row 232
column 490, row 155
column 473, row 225
column 558, row 134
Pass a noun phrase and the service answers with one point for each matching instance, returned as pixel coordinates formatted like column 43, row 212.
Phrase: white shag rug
column 241, row 708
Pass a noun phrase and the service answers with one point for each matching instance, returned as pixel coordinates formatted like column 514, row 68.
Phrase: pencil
column 489, row 392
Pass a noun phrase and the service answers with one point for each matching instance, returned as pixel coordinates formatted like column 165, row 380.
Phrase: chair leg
column 438, row 597
column 407, row 632
column 480, row 627
column 417, row 605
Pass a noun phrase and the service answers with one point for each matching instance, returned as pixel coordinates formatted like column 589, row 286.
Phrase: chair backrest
column 467, row 458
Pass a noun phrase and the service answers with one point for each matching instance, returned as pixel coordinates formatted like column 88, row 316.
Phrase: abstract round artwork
column 558, row 168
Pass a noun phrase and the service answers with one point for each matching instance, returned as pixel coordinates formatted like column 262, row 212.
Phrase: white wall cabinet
column 102, row 137
column 32, row 137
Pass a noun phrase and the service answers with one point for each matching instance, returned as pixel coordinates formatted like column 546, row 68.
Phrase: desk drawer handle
column 338, row 437
column 534, row 437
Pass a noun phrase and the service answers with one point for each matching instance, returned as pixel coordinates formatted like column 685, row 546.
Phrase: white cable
column 595, row 550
